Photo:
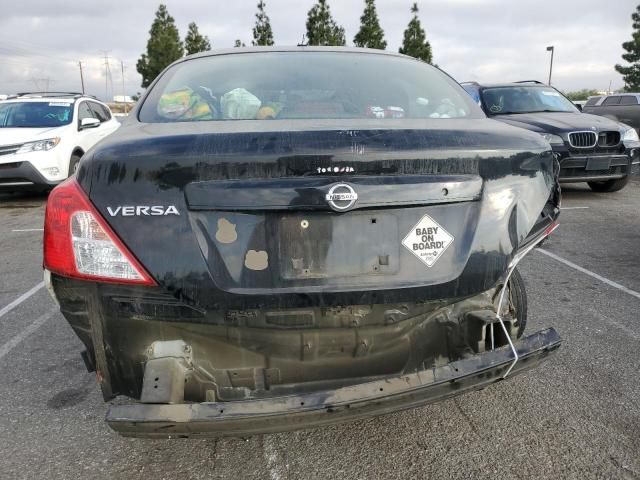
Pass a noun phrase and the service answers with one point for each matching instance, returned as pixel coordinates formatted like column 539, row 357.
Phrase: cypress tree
column 415, row 42
column 163, row 47
column 194, row 42
column 322, row 29
column 631, row 73
column 370, row 35
column 262, row 33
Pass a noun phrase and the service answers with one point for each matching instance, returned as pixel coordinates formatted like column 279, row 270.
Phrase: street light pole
column 550, row 49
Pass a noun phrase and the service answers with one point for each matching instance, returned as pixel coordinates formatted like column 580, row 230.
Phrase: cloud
column 485, row 40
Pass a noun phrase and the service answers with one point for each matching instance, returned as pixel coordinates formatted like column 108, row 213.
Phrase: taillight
column 78, row 243
column 551, row 228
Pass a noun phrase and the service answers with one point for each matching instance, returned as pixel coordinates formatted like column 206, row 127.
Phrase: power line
column 16, row 51
column 46, row 82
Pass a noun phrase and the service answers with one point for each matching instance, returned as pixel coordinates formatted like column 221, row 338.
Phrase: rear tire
column 609, row 185
column 73, row 163
column 518, row 304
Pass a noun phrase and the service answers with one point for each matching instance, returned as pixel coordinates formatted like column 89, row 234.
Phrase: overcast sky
column 484, row 40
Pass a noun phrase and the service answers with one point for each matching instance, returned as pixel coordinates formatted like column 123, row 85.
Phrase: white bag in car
column 239, row 104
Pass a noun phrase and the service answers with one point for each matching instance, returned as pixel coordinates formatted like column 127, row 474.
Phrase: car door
column 87, row 137
column 609, row 107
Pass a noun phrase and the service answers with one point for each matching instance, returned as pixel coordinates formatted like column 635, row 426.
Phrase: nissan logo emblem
column 341, row 197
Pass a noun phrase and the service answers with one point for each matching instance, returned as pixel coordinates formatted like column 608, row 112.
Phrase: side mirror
column 578, row 106
column 89, row 123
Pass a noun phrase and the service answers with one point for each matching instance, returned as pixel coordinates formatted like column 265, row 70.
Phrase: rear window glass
column 304, row 85
column 592, row 101
column 473, row 92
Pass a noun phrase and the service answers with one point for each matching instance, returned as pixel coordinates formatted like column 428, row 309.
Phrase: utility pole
column 81, row 76
column 550, row 49
column 107, row 74
column 124, row 100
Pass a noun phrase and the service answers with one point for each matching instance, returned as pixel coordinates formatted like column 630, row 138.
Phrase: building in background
column 122, row 105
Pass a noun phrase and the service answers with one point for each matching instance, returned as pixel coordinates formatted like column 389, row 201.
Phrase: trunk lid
column 254, row 216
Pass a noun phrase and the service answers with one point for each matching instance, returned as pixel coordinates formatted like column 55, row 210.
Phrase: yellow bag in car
column 184, row 104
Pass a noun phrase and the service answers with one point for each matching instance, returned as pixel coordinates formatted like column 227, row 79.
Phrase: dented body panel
column 297, row 258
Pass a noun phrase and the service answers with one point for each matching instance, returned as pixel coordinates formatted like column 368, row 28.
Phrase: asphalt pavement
column 577, row 416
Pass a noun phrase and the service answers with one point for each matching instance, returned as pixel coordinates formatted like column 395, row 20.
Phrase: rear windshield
column 592, row 101
column 506, row 100
column 35, row 114
column 304, row 85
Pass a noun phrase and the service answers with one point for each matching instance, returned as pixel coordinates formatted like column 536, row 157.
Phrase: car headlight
column 631, row 135
column 553, row 139
column 39, row 146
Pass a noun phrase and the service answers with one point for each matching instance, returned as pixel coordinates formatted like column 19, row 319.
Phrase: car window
column 107, row 112
column 474, row 92
column 509, row 100
column 628, row 100
column 35, row 114
column 99, row 111
column 304, row 85
column 611, row 101
column 84, row 111
column 592, row 101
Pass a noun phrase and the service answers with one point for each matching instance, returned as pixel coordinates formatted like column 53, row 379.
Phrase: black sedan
column 281, row 238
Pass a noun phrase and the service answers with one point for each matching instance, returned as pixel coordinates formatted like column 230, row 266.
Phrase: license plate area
column 320, row 245
column 595, row 163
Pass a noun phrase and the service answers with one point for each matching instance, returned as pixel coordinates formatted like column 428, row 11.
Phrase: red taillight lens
column 78, row 243
column 551, row 228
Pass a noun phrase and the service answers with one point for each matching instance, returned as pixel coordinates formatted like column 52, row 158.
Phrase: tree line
column 631, row 72
column 165, row 44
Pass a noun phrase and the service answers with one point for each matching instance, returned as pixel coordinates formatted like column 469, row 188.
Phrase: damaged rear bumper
column 249, row 417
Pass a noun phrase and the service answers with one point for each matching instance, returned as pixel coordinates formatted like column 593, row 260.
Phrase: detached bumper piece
column 250, row 417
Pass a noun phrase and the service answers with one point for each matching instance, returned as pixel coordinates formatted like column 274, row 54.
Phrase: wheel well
column 78, row 151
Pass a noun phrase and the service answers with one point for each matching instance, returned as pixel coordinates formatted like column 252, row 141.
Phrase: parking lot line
column 611, row 283
column 15, row 341
column 20, row 299
column 28, row 230
column 572, row 208
column 271, row 456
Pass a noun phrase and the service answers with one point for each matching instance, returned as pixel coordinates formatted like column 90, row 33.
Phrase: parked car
column 281, row 238
column 44, row 135
column 621, row 107
column 579, row 104
column 597, row 150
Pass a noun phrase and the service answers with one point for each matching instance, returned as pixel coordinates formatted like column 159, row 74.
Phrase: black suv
column 592, row 149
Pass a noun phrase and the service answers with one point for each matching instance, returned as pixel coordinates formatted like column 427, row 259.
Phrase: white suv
column 44, row 135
